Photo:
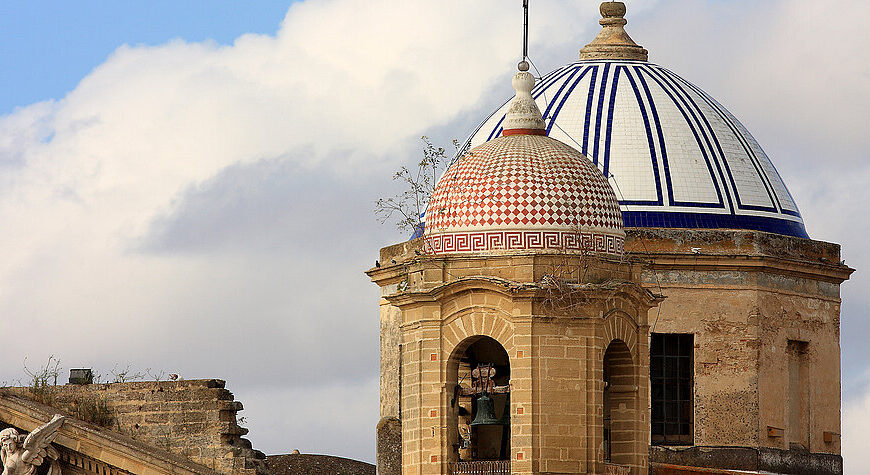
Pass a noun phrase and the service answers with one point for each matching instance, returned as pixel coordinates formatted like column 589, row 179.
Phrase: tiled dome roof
column 675, row 156
column 523, row 192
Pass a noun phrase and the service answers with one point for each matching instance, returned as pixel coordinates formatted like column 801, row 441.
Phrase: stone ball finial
column 613, row 10
column 613, row 42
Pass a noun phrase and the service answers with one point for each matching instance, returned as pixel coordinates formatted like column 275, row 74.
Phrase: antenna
column 524, row 65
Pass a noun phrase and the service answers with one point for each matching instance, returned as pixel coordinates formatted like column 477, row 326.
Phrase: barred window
column 671, row 371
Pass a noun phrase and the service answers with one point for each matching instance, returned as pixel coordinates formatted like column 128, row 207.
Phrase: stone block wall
column 764, row 312
column 433, row 308
column 195, row 419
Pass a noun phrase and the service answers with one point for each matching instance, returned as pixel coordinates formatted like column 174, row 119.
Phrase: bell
column 485, row 412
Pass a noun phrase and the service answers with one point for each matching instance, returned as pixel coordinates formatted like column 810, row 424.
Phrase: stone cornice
column 502, row 286
column 518, row 291
column 835, row 273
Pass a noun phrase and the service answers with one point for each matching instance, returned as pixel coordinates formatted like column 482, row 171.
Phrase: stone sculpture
column 23, row 455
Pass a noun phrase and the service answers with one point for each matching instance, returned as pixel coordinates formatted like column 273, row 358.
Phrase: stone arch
column 621, row 326
column 476, row 312
column 467, row 443
column 471, row 311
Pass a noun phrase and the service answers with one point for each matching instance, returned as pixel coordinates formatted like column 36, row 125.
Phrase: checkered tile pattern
column 537, row 186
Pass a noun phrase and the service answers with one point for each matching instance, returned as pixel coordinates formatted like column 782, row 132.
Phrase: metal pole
column 525, row 29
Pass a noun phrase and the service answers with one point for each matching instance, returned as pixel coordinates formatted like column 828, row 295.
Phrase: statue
column 24, row 458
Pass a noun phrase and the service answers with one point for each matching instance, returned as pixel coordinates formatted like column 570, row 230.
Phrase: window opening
column 671, row 384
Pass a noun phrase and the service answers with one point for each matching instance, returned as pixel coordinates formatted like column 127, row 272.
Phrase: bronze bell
column 485, row 412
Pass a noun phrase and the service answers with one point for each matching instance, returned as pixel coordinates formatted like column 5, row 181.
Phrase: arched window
column 474, row 442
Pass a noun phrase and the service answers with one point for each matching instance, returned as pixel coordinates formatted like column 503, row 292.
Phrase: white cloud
column 856, row 419
column 206, row 209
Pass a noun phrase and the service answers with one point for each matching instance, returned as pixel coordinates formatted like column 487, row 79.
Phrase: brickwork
column 555, row 344
column 195, row 419
column 763, row 310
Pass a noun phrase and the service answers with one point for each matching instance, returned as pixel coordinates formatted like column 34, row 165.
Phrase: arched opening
column 469, row 370
column 620, row 396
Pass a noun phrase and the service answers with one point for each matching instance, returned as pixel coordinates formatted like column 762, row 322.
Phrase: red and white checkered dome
column 523, row 192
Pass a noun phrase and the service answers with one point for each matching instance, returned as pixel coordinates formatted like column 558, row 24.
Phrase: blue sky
column 48, row 46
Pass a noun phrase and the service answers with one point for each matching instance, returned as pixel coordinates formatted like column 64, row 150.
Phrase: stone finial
column 613, row 42
column 523, row 115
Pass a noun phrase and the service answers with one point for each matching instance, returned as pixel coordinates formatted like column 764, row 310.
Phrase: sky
column 189, row 186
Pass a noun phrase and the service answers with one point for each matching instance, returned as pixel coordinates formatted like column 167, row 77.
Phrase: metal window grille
column 671, row 373
column 481, row 467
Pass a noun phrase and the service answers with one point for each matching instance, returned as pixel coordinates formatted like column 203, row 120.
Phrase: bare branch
column 409, row 205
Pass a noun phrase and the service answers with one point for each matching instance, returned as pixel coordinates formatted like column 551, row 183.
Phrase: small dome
column 523, row 192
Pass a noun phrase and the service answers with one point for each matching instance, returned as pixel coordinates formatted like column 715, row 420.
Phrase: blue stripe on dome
column 609, row 132
column 650, row 141
column 650, row 72
column 585, row 150
column 552, row 118
column 670, row 219
column 740, row 182
column 598, row 113
column 775, row 207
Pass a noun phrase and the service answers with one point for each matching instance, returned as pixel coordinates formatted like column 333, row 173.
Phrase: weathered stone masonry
column 196, row 419
column 753, row 301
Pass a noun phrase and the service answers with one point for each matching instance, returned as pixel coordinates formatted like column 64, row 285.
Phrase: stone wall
column 389, row 446
column 763, row 309
column 554, row 340
column 753, row 301
column 195, row 419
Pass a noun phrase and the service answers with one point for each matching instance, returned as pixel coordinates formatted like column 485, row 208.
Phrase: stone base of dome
column 524, row 240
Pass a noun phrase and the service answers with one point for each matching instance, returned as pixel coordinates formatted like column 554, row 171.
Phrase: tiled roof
column 674, row 155
column 523, row 192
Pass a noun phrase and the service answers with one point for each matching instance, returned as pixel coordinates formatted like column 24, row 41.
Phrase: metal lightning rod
column 525, row 29
column 524, row 65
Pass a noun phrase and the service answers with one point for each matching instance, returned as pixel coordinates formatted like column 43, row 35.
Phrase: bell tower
column 514, row 334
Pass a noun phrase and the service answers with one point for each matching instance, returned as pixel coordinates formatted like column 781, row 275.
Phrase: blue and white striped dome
column 675, row 156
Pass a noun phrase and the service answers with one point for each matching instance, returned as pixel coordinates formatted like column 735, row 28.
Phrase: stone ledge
column 749, row 459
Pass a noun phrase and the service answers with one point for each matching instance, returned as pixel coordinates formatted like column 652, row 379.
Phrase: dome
column 523, row 191
column 674, row 155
